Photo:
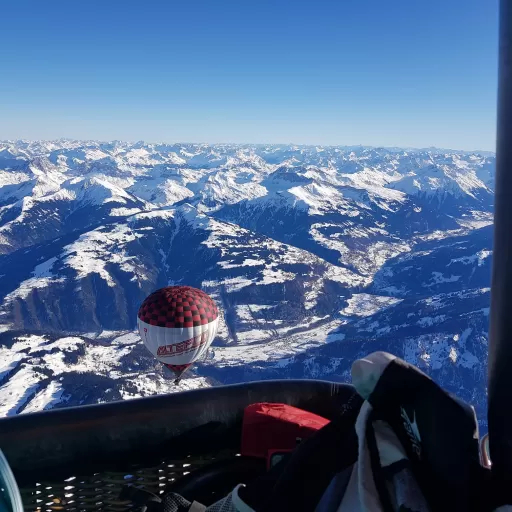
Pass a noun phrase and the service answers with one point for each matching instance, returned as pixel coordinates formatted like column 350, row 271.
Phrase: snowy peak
column 228, row 174
column 97, row 191
column 315, row 256
column 458, row 178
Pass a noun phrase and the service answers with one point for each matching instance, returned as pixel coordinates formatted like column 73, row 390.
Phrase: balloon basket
column 80, row 458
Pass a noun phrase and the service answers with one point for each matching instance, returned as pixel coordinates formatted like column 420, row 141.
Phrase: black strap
column 377, row 473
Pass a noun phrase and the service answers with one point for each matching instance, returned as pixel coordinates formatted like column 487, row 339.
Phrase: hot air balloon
column 178, row 324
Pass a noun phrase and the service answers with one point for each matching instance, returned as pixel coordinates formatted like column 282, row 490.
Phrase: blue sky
column 396, row 72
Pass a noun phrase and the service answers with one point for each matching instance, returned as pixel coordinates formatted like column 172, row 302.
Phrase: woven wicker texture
column 100, row 492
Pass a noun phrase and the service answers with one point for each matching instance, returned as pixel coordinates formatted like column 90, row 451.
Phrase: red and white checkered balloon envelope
column 178, row 324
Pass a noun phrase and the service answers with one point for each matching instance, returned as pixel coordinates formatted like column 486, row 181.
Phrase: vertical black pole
column 500, row 335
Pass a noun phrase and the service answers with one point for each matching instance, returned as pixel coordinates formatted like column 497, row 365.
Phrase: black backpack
column 401, row 443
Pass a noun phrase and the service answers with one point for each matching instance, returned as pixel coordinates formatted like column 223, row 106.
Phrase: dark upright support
column 500, row 340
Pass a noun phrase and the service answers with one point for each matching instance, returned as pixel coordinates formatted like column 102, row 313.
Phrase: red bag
column 270, row 428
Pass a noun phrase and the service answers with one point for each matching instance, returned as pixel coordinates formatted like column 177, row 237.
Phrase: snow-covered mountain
column 315, row 255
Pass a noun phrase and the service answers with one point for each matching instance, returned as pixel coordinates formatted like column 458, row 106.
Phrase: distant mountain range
column 315, row 256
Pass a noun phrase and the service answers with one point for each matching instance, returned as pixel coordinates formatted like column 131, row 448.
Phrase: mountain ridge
column 314, row 254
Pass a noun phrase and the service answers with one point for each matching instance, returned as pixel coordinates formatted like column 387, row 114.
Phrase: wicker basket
column 101, row 491
column 79, row 458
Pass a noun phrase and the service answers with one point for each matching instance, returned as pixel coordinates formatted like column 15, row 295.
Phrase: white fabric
column 390, row 448
column 361, row 494
column 240, row 505
column 350, row 501
column 178, row 345
column 231, row 503
column 196, row 507
column 367, row 371
column 368, row 495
